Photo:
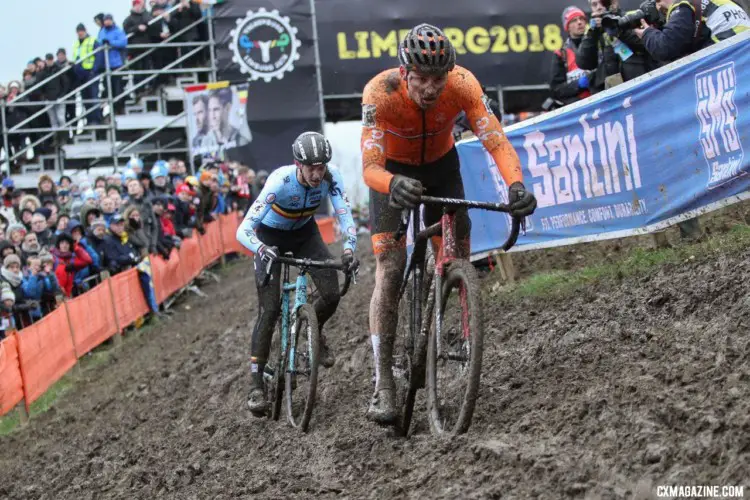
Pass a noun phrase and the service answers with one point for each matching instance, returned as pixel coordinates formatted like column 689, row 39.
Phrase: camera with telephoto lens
column 614, row 24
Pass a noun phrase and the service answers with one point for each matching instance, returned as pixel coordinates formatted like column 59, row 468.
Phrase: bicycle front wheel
column 302, row 368
column 454, row 354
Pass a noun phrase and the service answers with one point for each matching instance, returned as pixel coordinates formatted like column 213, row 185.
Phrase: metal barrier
column 108, row 99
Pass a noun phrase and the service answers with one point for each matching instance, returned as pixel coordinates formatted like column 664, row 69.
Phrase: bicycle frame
column 447, row 254
column 300, row 298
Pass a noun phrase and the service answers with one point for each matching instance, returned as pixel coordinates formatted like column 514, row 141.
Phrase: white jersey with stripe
column 286, row 204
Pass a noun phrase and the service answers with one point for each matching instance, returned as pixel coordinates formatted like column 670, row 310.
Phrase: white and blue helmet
column 135, row 164
column 159, row 169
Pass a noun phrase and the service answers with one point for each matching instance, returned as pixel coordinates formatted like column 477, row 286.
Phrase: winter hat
column 80, row 27
column 45, row 256
column 45, row 177
column 8, row 183
column 185, row 188
column 11, row 259
column 206, row 176
column 15, row 227
column 89, row 194
column 74, row 224
column 46, row 212
column 160, row 200
column 108, row 16
column 7, row 294
column 64, row 236
column 571, row 13
column 99, row 222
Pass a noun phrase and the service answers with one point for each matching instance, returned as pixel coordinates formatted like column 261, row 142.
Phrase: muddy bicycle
column 293, row 376
column 426, row 348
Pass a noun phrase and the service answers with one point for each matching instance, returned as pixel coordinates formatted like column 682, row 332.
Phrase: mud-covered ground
column 603, row 394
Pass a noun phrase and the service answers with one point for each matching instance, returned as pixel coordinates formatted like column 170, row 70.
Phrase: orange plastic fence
column 327, row 231
column 211, row 244
column 229, row 224
column 190, row 258
column 46, row 353
column 11, row 383
column 167, row 275
column 92, row 318
column 38, row 356
column 130, row 303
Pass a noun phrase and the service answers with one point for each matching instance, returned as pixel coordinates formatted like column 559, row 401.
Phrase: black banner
column 501, row 42
column 270, row 43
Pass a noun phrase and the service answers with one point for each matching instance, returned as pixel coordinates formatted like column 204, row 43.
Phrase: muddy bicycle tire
column 278, row 388
column 305, row 314
column 459, row 272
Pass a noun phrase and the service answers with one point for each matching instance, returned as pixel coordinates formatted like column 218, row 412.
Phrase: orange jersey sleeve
column 487, row 128
column 373, row 141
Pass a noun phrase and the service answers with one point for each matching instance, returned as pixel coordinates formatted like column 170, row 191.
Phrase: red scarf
column 167, row 226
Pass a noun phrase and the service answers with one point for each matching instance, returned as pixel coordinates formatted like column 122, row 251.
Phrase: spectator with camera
column 610, row 47
column 682, row 35
column 568, row 82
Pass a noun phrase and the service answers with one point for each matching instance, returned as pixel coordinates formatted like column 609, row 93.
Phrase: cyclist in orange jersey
column 408, row 150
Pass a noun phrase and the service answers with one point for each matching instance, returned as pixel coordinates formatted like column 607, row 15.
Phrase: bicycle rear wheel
column 454, row 355
column 302, row 379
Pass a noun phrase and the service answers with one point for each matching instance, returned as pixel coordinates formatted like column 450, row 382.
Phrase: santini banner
column 635, row 159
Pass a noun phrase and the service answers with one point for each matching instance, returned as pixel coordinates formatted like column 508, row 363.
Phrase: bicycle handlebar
column 516, row 226
column 349, row 277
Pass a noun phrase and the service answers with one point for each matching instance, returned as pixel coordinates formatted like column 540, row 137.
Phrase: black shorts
column 441, row 178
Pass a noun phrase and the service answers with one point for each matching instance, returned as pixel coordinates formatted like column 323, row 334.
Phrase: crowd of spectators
column 57, row 240
column 142, row 26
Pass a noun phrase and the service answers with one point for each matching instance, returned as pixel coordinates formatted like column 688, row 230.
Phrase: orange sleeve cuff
column 378, row 178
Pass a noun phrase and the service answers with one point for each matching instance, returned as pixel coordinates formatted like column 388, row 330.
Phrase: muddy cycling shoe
column 256, row 401
column 382, row 408
column 327, row 358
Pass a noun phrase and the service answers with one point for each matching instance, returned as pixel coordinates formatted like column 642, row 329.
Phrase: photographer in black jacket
column 610, row 46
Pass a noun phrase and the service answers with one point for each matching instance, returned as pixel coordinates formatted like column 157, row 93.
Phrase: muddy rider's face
column 424, row 89
column 312, row 175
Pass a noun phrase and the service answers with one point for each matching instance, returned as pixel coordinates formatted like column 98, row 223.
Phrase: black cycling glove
column 405, row 191
column 268, row 255
column 522, row 202
column 350, row 262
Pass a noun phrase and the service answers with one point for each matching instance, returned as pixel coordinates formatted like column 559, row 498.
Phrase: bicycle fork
column 300, row 298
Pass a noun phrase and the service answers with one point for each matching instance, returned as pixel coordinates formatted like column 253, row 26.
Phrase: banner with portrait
column 216, row 120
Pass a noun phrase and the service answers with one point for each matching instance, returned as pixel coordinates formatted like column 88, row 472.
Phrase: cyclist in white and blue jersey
column 282, row 220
